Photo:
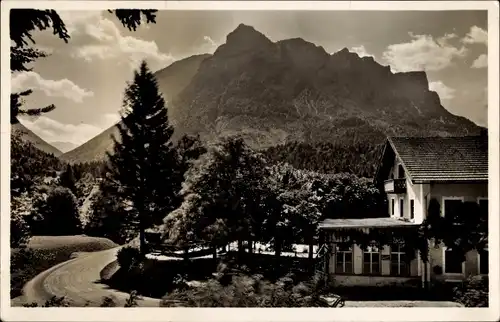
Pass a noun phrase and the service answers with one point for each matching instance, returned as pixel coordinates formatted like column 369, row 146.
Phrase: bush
column 60, row 214
column 473, row 292
column 128, row 257
column 246, row 291
column 52, row 302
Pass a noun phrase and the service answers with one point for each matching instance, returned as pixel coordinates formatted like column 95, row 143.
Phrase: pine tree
column 144, row 162
column 67, row 179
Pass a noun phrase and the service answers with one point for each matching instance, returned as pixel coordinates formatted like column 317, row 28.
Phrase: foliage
column 108, row 301
column 132, row 299
column 142, row 168
column 222, row 197
column 67, row 179
column 473, row 292
column 32, row 172
column 59, row 214
column 54, row 301
column 108, row 216
column 30, row 167
column 359, row 158
column 132, row 18
column 19, row 228
column 128, row 257
column 247, row 291
column 463, row 230
column 189, row 149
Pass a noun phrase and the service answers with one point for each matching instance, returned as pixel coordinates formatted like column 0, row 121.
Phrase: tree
column 222, row 198
column 24, row 21
column 108, row 216
column 59, row 214
column 67, row 179
column 143, row 167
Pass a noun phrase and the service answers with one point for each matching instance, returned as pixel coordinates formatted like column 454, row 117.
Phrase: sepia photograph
column 202, row 155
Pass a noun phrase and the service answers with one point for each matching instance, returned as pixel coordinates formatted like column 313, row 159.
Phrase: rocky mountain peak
column 245, row 37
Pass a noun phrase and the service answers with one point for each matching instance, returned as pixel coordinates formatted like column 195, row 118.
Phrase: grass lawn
column 43, row 252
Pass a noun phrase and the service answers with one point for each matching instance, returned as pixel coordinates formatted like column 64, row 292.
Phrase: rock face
column 292, row 90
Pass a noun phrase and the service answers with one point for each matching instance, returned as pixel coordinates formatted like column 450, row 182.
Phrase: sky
column 86, row 77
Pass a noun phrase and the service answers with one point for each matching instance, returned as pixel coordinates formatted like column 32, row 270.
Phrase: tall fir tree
column 67, row 179
column 144, row 163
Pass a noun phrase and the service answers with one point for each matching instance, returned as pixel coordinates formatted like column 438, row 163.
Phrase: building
column 412, row 171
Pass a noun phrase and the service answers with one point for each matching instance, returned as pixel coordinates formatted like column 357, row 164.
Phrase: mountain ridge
column 291, row 90
column 29, row 136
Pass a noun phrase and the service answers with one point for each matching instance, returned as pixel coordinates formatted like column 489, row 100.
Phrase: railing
column 395, row 186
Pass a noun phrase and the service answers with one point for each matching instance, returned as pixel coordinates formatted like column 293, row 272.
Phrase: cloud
column 476, row 35
column 52, row 130
column 423, row 52
column 209, row 45
column 444, row 92
column 53, row 88
column 480, row 62
column 361, row 51
column 209, row 40
column 107, row 43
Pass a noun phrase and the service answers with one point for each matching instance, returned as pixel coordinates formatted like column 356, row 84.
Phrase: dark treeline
column 357, row 158
column 29, row 165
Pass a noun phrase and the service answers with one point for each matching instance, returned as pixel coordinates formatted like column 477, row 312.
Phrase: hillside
column 63, row 146
column 273, row 93
column 171, row 80
column 28, row 136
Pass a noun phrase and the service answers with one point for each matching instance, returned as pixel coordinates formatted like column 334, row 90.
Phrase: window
column 371, row 260
column 452, row 208
column 392, row 206
column 401, row 207
column 343, row 259
column 412, row 209
column 483, row 261
column 401, row 172
column 453, row 262
column 399, row 264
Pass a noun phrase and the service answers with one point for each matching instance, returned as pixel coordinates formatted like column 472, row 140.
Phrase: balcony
column 395, row 186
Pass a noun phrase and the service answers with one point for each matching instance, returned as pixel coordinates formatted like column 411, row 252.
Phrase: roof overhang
column 454, row 180
column 385, row 222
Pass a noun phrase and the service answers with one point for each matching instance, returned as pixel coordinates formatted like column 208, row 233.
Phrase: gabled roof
column 427, row 159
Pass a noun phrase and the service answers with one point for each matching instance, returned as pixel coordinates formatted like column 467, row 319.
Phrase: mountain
column 272, row 93
column 64, row 146
column 292, row 90
column 28, row 136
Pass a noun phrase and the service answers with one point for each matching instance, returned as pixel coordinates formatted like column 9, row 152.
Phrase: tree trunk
column 240, row 246
column 311, row 249
column 142, row 234
column 277, row 249
column 214, row 252
column 250, row 247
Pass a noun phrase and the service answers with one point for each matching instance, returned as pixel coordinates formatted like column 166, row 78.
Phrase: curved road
column 78, row 280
